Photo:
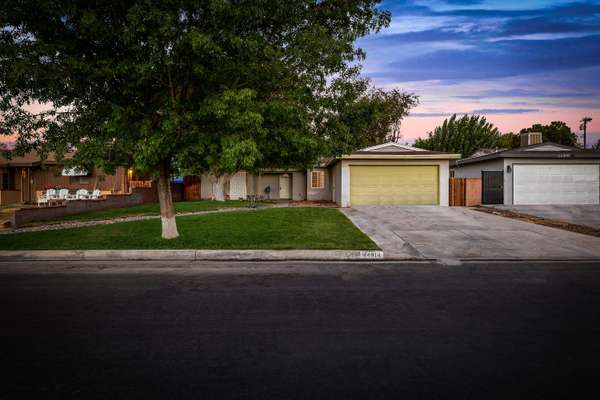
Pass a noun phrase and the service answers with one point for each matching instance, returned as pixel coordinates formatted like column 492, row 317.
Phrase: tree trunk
column 167, row 211
column 219, row 187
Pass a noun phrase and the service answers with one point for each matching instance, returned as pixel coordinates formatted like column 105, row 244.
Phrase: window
column 317, row 180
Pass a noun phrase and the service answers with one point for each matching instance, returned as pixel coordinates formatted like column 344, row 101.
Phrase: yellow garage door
column 394, row 184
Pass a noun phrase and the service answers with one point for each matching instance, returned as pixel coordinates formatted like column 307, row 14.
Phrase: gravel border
column 586, row 230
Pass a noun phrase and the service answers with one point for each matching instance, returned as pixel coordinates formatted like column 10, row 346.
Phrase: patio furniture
column 56, row 202
column 51, row 194
column 42, row 199
column 64, row 194
column 96, row 194
column 82, row 194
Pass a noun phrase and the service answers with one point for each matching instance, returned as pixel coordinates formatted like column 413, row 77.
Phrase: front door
column 284, row 186
column 492, row 187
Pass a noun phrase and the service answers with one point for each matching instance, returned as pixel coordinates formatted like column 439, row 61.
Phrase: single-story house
column 386, row 174
column 22, row 177
column 538, row 173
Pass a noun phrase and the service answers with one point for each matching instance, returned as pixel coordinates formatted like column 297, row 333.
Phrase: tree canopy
column 381, row 112
column 557, row 132
column 464, row 135
column 510, row 140
column 205, row 85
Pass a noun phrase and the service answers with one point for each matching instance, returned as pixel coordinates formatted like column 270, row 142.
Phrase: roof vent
column 529, row 138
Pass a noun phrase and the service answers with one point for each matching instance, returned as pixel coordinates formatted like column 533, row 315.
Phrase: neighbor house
column 535, row 173
column 22, row 177
column 387, row 174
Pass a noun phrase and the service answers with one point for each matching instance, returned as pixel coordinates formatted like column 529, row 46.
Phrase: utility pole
column 583, row 127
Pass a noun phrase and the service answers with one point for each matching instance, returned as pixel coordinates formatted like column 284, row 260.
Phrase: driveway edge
column 552, row 223
column 193, row 255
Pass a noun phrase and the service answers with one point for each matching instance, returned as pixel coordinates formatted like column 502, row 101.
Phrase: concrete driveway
column 580, row 214
column 458, row 233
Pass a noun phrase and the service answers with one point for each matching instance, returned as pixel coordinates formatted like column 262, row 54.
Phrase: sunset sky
column 516, row 62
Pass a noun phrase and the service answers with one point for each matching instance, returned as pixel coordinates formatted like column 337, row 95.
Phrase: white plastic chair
column 51, row 194
column 82, row 194
column 42, row 199
column 96, row 194
column 63, row 194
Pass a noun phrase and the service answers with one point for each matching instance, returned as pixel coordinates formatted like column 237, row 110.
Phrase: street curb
column 245, row 255
column 193, row 255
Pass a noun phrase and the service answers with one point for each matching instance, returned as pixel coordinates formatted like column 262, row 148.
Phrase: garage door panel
column 388, row 185
column 556, row 184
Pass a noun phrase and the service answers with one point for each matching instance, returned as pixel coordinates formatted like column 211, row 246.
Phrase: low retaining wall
column 137, row 196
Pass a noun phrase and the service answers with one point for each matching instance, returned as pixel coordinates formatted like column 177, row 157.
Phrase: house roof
column 395, row 151
column 540, row 150
column 31, row 159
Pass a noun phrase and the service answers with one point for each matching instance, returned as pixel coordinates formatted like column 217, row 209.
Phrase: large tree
column 463, row 135
column 557, row 132
column 379, row 113
column 211, row 85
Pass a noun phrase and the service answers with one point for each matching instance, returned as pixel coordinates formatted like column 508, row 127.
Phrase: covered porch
column 278, row 185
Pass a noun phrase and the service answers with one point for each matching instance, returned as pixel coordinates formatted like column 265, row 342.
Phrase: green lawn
column 274, row 228
column 149, row 209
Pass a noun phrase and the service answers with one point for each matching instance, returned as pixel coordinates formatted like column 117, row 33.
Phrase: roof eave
column 447, row 156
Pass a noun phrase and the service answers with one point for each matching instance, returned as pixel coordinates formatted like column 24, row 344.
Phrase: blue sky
column 516, row 62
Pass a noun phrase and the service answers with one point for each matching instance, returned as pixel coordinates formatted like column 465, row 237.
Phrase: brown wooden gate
column 191, row 185
column 465, row 192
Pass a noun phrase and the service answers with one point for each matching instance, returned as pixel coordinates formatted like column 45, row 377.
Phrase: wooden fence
column 140, row 184
column 465, row 192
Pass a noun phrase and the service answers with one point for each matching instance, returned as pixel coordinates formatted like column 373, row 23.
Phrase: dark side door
column 492, row 187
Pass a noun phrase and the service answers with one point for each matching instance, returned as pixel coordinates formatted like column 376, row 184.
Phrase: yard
column 274, row 228
column 150, row 209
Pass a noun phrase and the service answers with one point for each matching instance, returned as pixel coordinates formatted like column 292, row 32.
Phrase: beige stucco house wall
column 335, row 176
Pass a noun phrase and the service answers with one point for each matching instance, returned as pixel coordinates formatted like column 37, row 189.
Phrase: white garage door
column 556, row 184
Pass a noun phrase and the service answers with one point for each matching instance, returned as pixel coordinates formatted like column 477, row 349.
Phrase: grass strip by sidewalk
column 275, row 228
column 146, row 209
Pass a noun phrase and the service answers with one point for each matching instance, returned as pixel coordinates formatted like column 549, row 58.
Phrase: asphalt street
column 145, row 330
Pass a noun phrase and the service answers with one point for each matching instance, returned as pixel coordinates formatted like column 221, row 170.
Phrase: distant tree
column 385, row 110
column 556, row 132
column 510, row 141
column 464, row 135
column 596, row 146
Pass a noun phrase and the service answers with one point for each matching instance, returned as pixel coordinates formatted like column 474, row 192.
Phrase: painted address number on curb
column 371, row 254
